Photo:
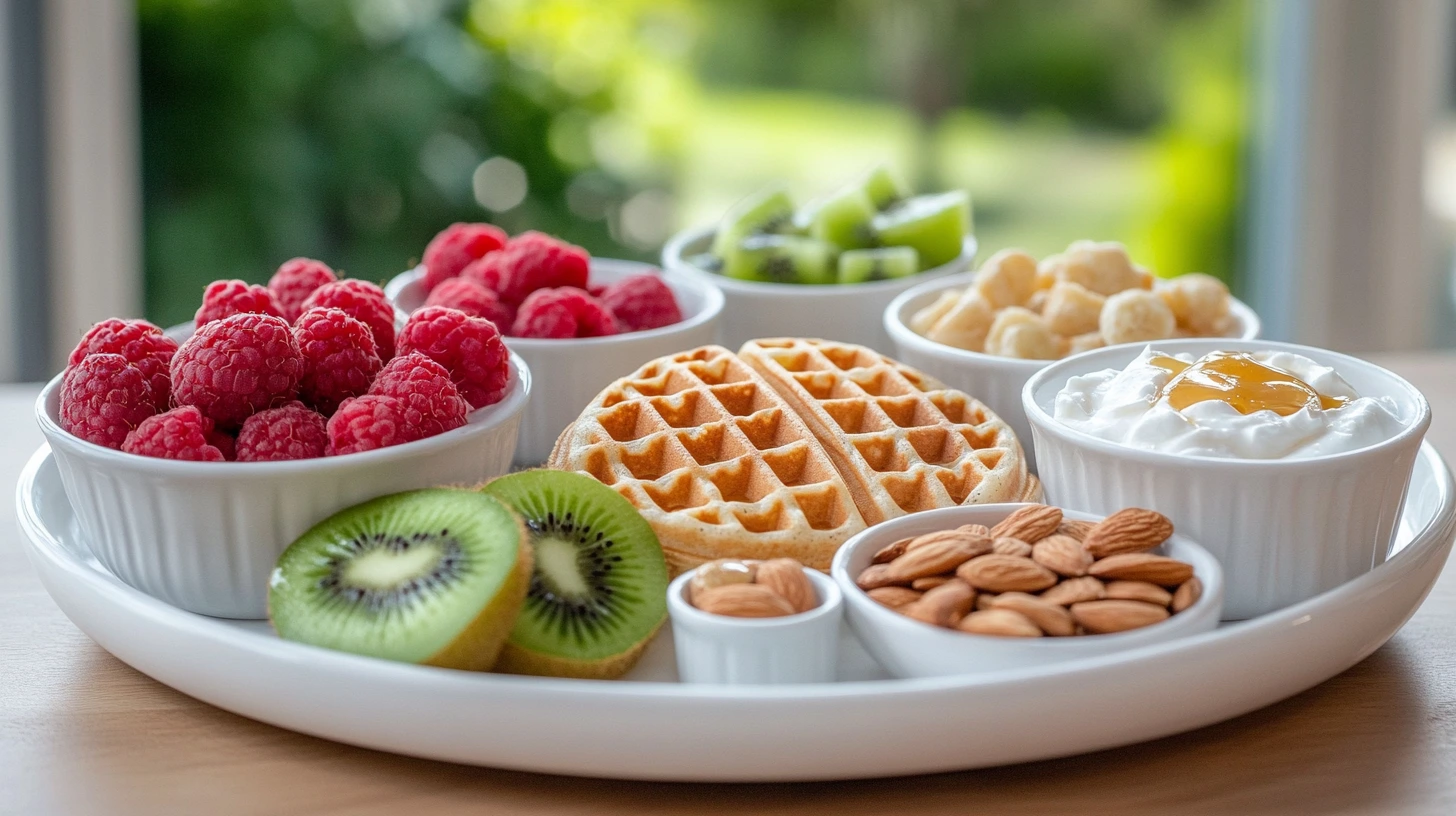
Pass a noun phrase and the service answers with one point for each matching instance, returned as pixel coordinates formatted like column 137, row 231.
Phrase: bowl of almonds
column 975, row 589
column 749, row 621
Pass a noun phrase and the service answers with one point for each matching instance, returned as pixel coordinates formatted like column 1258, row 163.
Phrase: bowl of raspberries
column 579, row 322
column 195, row 455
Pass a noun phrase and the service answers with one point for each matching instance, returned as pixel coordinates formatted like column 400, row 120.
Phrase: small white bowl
column 990, row 378
column 204, row 536
column 569, row 372
column 802, row 648
column 909, row 648
column 850, row 313
column 1283, row 529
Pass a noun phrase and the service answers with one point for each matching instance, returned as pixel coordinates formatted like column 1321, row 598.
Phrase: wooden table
column 80, row 732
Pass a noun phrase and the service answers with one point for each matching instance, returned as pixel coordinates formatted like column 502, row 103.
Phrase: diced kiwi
column 865, row 265
column 767, row 211
column 430, row 576
column 781, row 259
column 883, row 188
column 936, row 225
column 842, row 219
column 599, row 590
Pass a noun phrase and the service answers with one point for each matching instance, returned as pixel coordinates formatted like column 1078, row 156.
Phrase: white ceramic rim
column 901, row 332
column 712, row 307
column 481, row 420
column 1206, row 569
column 1431, row 537
column 1412, row 400
column 673, row 258
column 679, row 607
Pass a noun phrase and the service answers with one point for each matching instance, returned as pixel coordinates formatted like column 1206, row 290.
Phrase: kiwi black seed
column 429, row 576
column 598, row 592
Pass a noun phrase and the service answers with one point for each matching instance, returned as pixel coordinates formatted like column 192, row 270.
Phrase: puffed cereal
column 1200, row 303
column 1103, row 268
column 1136, row 316
column 1020, row 332
column 1007, row 278
column 1072, row 308
column 1085, row 342
column 966, row 324
column 921, row 321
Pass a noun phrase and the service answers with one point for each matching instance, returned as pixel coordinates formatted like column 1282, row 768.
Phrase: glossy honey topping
column 1241, row 381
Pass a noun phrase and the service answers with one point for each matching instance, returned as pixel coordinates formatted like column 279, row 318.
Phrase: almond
column 1062, row 554
column 1001, row 622
column 890, row 552
column 930, row 582
column 1127, row 531
column 718, row 573
column 1104, row 617
column 946, row 552
column 1187, row 594
column 786, row 577
column 978, row 540
column 1051, row 618
column 975, row 529
column 1031, row 523
column 1138, row 591
column 985, row 599
column 743, row 601
column 1074, row 528
column 1075, row 590
column 1011, row 546
column 943, row 606
column 1157, row 569
column 1005, row 573
column 876, row 575
column 893, row 596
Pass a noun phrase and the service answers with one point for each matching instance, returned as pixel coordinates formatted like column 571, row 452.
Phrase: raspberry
column 369, row 422
column 181, row 433
column 339, row 360
column 293, row 431
column 103, row 398
column 142, row 344
column 224, row 298
column 474, row 300
column 642, row 302
column 530, row 261
column 430, row 399
column 470, row 348
column 364, row 302
column 295, row 280
column 455, row 247
column 563, row 312
column 235, row 367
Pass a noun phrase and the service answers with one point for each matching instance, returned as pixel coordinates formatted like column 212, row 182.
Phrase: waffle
column 715, row 461
column 902, row 440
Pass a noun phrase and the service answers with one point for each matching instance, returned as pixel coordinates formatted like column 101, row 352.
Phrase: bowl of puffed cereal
column 987, row 332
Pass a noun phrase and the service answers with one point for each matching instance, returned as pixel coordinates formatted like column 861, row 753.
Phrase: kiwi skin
column 514, row 660
column 478, row 646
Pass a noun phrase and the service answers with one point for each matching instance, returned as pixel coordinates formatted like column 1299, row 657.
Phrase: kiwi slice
column 781, row 259
column 767, row 211
column 599, row 590
column 842, row 219
column 430, row 576
column 882, row 187
column 865, row 265
column 936, row 225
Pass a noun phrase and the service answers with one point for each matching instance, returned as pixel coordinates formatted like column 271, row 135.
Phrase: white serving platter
column 651, row 727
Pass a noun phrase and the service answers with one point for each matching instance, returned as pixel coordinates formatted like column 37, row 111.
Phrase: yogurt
column 1133, row 407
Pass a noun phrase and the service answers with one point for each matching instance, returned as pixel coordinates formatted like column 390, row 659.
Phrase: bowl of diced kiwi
column 826, row 269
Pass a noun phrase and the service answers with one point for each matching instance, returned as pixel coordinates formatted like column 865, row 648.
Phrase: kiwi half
column 599, row 590
column 430, row 576
column 936, row 225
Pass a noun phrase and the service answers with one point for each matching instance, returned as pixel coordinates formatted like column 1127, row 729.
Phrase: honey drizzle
column 1241, row 381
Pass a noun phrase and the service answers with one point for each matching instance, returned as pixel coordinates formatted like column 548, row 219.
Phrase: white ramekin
column 1283, row 529
column 990, row 378
column 204, row 536
column 908, row 648
column 570, row 372
column 802, row 648
column 850, row 313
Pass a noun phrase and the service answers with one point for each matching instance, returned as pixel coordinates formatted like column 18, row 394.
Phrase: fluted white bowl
column 1284, row 529
column 850, row 313
column 569, row 372
column 990, row 378
column 802, row 648
column 204, row 536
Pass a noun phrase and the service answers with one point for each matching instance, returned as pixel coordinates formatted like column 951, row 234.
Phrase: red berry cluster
column 306, row 366
column 534, row 285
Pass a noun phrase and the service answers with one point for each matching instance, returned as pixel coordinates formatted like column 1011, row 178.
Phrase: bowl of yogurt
column 1289, row 463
